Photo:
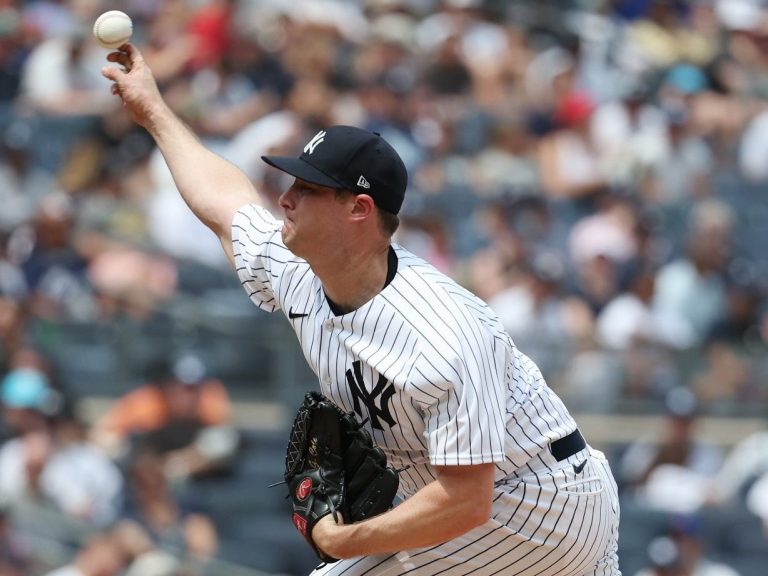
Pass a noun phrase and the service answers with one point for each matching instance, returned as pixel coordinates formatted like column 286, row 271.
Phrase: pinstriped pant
column 552, row 519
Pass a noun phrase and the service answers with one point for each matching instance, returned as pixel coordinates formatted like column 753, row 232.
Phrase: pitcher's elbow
column 479, row 515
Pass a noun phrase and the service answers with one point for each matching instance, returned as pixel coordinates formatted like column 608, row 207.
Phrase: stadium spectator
column 630, row 133
column 183, row 413
column 537, row 314
column 663, row 36
column 13, row 308
column 742, row 477
column 673, row 468
column 16, row 557
column 23, row 183
column 60, row 77
column 569, row 163
column 664, row 558
column 52, row 262
column 170, row 523
column 726, row 375
column 691, row 288
column 757, row 496
column 101, row 555
column 506, row 167
column 752, row 148
column 49, row 462
column 680, row 553
column 687, row 532
column 683, row 173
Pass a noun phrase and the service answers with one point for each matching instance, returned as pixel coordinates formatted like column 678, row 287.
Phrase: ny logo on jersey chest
column 383, row 391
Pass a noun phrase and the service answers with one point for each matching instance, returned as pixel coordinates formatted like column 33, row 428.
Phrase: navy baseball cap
column 351, row 158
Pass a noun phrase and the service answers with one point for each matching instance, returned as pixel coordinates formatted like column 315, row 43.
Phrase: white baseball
column 113, row 29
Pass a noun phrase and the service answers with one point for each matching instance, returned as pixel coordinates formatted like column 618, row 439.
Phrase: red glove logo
column 300, row 523
column 304, row 489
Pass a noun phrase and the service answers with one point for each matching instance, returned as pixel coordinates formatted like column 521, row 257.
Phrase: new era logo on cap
column 345, row 155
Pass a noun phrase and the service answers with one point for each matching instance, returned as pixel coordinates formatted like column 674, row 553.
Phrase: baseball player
column 498, row 479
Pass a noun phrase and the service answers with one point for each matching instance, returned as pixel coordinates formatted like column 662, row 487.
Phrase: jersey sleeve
column 462, row 396
column 260, row 255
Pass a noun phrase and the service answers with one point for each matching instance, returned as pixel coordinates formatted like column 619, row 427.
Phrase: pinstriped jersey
column 426, row 362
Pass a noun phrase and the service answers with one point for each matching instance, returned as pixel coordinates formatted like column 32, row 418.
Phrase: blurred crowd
column 111, row 489
column 594, row 169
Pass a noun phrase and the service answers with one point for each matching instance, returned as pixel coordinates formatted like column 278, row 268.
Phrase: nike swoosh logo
column 579, row 467
column 292, row 314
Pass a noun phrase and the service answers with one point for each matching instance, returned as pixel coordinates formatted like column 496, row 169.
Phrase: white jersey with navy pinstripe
column 440, row 382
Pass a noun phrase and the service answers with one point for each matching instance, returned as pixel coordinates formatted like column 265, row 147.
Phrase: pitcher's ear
column 364, row 206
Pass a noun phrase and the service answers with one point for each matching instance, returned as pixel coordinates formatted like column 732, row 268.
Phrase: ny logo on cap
column 312, row 144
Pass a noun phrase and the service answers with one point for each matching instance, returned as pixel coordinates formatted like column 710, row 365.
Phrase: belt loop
column 568, row 445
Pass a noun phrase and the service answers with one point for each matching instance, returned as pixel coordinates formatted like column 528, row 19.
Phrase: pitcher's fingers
column 119, row 57
column 112, row 73
column 132, row 52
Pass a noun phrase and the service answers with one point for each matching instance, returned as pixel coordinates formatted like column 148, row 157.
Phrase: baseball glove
column 332, row 466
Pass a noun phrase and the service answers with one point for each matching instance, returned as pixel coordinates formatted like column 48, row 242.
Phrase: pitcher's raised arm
column 211, row 186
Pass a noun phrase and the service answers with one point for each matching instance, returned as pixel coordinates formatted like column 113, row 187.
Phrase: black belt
column 568, row 446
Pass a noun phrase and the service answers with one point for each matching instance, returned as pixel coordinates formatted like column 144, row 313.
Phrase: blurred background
column 595, row 169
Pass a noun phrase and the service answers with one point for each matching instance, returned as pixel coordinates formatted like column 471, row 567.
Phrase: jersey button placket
column 328, row 327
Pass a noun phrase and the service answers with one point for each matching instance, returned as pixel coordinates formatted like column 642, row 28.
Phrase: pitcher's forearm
column 212, row 187
column 458, row 501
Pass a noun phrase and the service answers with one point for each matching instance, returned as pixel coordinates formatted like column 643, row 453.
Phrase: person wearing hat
column 672, row 468
column 495, row 475
column 28, row 401
column 48, row 462
column 182, row 411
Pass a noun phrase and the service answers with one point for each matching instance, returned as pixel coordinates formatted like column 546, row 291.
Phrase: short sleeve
column 260, row 255
column 464, row 412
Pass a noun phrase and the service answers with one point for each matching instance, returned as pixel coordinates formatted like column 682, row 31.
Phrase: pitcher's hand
column 134, row 84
